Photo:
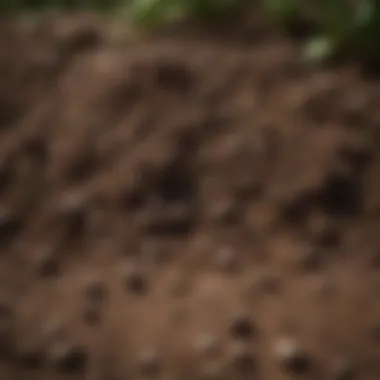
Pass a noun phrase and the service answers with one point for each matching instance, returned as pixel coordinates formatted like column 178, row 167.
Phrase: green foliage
column 343, row 27
column 352, row 28
column 150, row 13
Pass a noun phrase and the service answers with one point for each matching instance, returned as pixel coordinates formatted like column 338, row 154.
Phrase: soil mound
column 184, row 208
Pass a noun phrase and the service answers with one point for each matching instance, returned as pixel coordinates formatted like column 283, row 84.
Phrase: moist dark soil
column 202, row 206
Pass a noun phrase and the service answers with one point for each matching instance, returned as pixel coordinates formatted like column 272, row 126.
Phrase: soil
column 199, row 206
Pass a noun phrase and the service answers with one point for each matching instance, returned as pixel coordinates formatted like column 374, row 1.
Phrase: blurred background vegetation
column 337, row 27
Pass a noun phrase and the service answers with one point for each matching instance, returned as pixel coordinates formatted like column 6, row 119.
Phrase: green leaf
column 319, row 49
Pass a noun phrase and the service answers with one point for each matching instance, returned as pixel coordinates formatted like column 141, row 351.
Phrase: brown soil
column 185, row 208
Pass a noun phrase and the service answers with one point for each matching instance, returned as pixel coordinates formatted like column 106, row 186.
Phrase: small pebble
column 226, row 259
column 206, row 344
column 242, row 328
column 149, row 362
column 292, row 357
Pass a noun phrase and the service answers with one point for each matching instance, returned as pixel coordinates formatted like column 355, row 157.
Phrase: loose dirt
column 185, row 208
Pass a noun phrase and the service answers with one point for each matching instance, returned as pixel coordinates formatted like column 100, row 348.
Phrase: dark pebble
column 299, row 364
column 74, row 210
column 32, row 359
column 243, row 361
column 296, row 210
column 343, row 370
column 6, row 313
column 241, row 327
column 92, row 316
column 10, row 226
column 69, row 359
column 95, row 291
column 36, row 149
column 312, row 259
column 77, row 221
column 375, row 333
column 248, row 189
column 48, row 264
column 358, row 154
column 171, row 220
column 328, row 237
column 6, row 329
column 174, row 76
column 292, row 358
column 136, row 282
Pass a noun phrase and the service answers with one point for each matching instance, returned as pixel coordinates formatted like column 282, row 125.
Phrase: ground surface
column 185, row 208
